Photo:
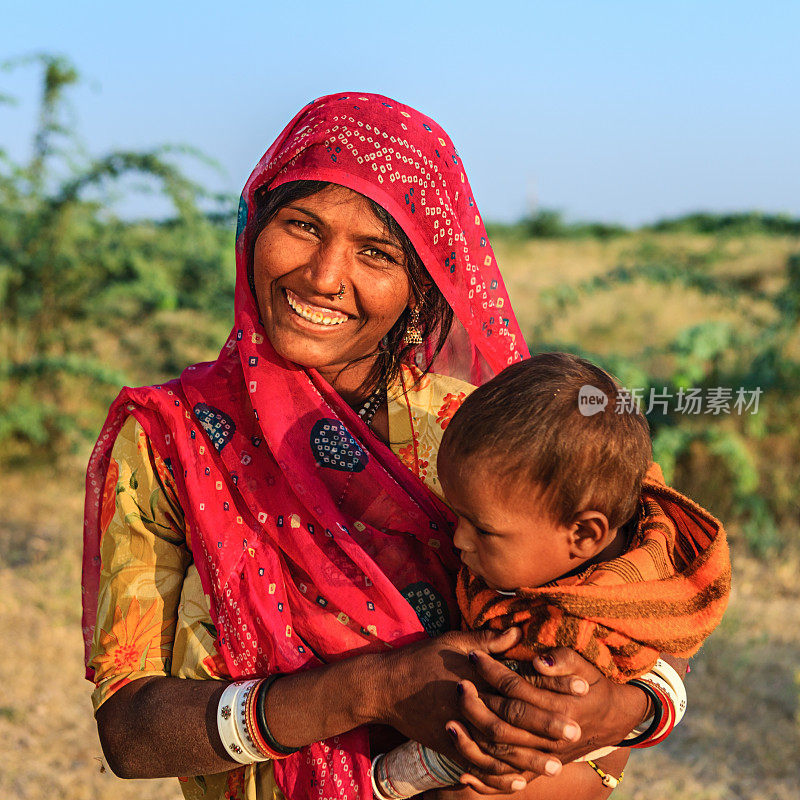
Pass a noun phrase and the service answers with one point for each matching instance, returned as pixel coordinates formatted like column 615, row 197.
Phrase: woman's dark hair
column 435, row 314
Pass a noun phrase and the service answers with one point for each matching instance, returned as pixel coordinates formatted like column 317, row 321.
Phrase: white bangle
column 376, row 792
column 232, row 725
column 669, row 681
column 674, row 686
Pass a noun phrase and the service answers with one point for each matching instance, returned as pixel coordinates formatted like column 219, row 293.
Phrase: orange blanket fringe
column 666, row 594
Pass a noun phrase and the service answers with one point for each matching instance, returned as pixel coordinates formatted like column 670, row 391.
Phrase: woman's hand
column 422, row 687
column 418, row 684
column 569, row 709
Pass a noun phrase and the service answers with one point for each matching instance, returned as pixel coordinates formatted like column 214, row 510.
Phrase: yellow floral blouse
column 153, row 617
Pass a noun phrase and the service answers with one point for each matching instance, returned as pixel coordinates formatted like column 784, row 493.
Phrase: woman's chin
column 312, row 352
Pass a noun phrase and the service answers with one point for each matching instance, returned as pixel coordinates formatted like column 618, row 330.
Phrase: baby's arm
column 411, row 769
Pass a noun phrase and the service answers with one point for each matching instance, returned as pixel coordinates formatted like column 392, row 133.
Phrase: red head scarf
column 307, row 560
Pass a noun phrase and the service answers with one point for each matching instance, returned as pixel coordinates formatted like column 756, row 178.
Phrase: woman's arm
column 575, row 782
column 166, row 727
column 159, row 727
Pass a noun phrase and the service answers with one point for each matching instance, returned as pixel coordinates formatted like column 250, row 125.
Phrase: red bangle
column 252, row 726
column 667, row 722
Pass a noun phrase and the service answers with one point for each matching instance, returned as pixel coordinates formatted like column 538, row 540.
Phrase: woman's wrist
column 381, row 681
column 633, row 706
column 370, row 704
column 349, row 693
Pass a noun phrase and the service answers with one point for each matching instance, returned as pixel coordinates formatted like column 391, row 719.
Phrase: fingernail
column 459, row 688
column 547, row 660
column 452, row 732
column 572, row 732
column 518, row 785
column 551, row 767
column 473, row 657
column 579, row 686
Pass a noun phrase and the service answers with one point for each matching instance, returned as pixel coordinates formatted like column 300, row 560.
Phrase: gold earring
column 413, row 335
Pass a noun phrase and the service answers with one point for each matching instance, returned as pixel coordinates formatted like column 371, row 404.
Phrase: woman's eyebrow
column 379, row 240
column 308, row 213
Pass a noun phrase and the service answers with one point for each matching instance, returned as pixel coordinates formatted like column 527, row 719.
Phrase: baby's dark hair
column 527, row 425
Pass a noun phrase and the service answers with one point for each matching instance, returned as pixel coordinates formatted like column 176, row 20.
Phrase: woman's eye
column 374, row 252
column 303, row 225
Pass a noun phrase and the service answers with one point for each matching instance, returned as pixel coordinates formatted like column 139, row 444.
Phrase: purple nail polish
column 473, row 657
column 547, row 660
column 452, row 732
column 459, row 689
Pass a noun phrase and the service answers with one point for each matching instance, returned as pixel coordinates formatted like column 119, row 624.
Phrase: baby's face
column 504, row 534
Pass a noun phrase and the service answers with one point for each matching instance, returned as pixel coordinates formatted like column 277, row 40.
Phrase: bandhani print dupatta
column 305, row 558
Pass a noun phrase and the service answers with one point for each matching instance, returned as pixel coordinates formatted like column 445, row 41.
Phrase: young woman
column 276, row 512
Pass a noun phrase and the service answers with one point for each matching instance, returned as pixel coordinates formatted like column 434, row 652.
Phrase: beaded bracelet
column 608, row 780
column 276, row 750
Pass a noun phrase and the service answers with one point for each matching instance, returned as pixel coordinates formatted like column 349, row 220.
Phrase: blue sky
column 619, row 111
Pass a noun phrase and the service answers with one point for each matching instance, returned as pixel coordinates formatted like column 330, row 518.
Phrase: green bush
column 73, row 275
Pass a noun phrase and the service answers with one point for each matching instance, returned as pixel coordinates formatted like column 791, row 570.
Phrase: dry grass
column 628, row 316
column 51, row 746
column 741, row 738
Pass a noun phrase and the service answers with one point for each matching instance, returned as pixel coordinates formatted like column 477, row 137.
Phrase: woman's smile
column 317, row 315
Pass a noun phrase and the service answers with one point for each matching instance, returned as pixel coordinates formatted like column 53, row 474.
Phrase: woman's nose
column 329, row 267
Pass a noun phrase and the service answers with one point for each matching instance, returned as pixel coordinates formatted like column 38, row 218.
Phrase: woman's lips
column 319, row 315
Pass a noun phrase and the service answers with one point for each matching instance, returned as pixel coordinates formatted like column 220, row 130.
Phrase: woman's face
column 306, row 253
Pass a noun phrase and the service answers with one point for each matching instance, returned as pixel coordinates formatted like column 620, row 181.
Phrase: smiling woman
column 319, row 259
column 340, row 260
column 275, row 516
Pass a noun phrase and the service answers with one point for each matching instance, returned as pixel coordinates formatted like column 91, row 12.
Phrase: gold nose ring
column 340, row 294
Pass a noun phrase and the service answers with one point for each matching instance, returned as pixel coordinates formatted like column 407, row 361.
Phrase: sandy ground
column 740, row 740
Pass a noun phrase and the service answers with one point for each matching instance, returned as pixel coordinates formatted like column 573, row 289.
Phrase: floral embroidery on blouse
column 451, row 404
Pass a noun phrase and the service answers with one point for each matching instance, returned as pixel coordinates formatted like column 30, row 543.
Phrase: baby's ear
column 588, row 534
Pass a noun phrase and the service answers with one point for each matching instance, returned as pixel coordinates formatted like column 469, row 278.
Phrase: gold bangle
column 608, row 780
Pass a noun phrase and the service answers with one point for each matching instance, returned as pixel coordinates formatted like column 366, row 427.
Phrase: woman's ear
column 588, row 534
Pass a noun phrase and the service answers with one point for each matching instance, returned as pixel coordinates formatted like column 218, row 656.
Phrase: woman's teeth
column 320, row 316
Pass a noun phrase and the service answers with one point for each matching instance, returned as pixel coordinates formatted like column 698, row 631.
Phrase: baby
column 567, row 531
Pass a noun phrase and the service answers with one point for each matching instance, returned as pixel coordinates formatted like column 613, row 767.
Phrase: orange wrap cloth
column 666, row 594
